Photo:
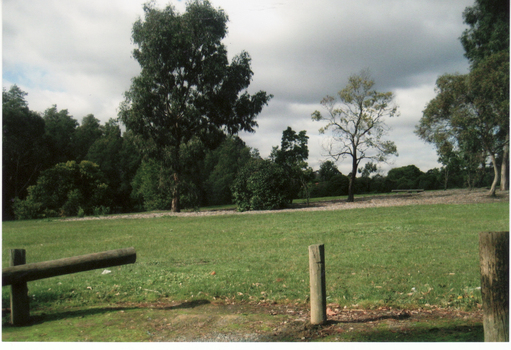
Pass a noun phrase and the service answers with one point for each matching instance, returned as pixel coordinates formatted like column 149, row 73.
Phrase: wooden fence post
column 317, row 283
column 20, row 301
column 494, row 265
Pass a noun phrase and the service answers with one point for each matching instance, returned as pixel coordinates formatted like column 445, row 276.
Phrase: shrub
column 260, row 185
column 63, row 190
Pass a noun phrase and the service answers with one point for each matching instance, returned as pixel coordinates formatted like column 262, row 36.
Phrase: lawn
column 404, row 257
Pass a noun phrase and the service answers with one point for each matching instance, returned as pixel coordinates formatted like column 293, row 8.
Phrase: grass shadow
column 57, row 316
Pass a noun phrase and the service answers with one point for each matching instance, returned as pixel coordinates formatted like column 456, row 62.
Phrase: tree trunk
column 494, row 267
column 446, row 178
column 495, row 175
column 175, row 194
column 504, row 183
column 353, row 175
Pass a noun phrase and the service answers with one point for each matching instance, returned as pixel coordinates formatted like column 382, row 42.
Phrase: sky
column 78, row 55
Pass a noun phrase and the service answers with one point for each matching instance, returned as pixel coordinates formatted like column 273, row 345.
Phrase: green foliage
column 260, row 185
column 406, row 177
column 327, row 170
column 64, row 190
column 85, row 135
column 187, row 88
column 59, row 129
column 292, row 157
column 221, row 167
column 151, row 186
column 488, row 31
column 24, row 151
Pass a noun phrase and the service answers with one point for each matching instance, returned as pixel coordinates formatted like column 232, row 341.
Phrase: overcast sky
column 78, row 55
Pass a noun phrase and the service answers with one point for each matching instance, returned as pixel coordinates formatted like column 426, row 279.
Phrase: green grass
column 398, row 256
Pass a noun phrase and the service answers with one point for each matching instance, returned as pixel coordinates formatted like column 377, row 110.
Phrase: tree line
column 183, row 113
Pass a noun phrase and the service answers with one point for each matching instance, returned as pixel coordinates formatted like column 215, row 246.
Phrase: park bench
column 410, row 190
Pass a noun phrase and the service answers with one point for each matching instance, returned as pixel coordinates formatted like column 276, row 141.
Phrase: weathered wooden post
column 317, row 283
column 494, row 265
column 20, row 302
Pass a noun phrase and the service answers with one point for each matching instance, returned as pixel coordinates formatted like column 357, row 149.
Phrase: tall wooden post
column 494, row 265
column 20, row 302
column 317, row 283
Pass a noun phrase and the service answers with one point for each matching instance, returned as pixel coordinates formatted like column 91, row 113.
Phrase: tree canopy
column 358, row 124
column 187, row 88
column 488, row 31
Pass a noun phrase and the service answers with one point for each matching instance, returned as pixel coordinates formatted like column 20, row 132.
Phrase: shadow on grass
column 45, row 317
column 421, row 334
column 402, row 329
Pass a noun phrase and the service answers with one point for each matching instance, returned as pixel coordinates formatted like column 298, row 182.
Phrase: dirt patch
column 456, row 196
column 270, row 322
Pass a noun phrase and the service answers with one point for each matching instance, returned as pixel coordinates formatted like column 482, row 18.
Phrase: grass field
column 403, row 257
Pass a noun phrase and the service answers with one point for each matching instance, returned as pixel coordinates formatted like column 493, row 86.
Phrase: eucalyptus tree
column 358, row 125
column 187, row 87
column 488, row 31
column 470, row 113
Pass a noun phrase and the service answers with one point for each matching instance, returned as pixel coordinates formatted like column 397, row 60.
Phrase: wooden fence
column 19, row 273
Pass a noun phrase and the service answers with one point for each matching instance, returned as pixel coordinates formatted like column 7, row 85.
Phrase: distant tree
column 358, row 125
column 368, row 169
column 64, row 190
column 186, row 87
column 292, row 156
column 405, row 177
column 221, row 167
column 24, row 151
column 488, row 31
column 59, row 129
column 119, row 159
column 85, row 135
column 327, row 170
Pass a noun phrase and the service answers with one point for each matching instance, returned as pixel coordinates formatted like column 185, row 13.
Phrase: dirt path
column 202, row 321
column 457, row 196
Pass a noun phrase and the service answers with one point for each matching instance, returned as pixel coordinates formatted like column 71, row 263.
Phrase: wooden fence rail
column 20, row 273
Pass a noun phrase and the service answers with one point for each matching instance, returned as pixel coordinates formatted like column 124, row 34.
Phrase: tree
column 118, row 159
column 85, row 135
column 24, row 152
column 186, row 87
column 292, row 157
column 369, row 168
column 488, row 85
column 221, row 167
column 462, row 118
column 60, row 128
column 405, row 177
column 488, row 31
column 358, row 125
column 327, row 170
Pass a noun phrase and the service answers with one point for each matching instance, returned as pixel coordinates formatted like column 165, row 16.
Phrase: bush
column 260, row 185
column 64, row 190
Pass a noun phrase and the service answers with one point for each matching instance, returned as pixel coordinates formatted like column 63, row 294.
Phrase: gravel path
column 457, row 196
